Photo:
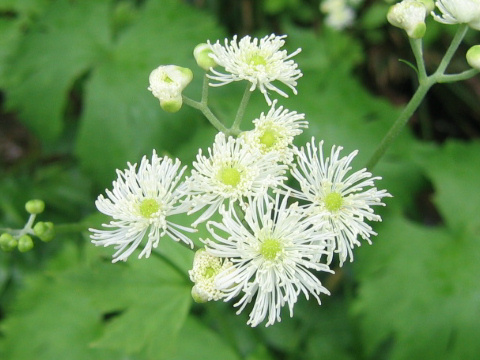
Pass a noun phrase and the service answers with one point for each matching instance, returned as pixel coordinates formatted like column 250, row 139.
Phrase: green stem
column 401, row 121
column 447, row 78
column 425, row 83
column 235, row 129
column 457, row 39
column 205, row 88
column 417, row 49
column 206, row 112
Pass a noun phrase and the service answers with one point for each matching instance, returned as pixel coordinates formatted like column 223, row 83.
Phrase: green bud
column 44, row 230
column 171, row 105
column 201, row 54
column 473, row 57
column 25, row 243
column 35, row 206
column 7, row 242
column 199, row 296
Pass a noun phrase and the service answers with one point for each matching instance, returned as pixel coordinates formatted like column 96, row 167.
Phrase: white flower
column 273, row 250
column 339, row 14
column 260, row 62
column 344, row 201
column 140, row 204
column 275, row 131
column 410, row 16
column 230, row 172
column 167, row 83
column 205, row 269
column 459, row 12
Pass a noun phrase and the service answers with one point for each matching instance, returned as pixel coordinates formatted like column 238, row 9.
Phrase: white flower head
column 275, row 131
column 343, row 200
column 205, row 269
column 167, row 83
column 274, row 251
column 459, row 12
column 261, row 62
column 410, row 16
column 339, row 14
column 140, row 204
column 230, row 172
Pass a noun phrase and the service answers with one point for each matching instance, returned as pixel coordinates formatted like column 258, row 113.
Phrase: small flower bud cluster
column 22, row 238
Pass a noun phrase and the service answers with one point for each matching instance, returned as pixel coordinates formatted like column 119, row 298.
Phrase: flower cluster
column 268, row 242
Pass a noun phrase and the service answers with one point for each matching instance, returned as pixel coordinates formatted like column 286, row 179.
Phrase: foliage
column 75, row 75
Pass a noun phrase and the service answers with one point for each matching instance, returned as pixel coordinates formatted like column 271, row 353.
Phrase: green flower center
column 167, row 79
column 148, row 207
column 333, row 202
column 256, row 59
column 268, row 138
column 229, row 176
column 270, row 249
column 209, row 272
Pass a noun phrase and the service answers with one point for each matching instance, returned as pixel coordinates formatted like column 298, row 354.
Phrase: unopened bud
column 172, row 105
column 410, row 16
column 7, row 242
column 35, row 206
column 167, row 83
column 199, row 296
column 44, row 230
column 473, row 57
column 202, row 56
column 25, row 243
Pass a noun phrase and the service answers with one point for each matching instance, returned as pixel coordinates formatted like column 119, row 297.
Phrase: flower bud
column 167, row 83
column 7, row 242
column 473, row 57
column 35, row 206
column 205, row 269
column 202, row 56
column 199, row 296
column 25, row 243
column 44, row 230
column 410, row 16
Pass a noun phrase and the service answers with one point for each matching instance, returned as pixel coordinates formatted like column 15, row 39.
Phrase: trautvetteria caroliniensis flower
column 261, row 62
column 459, row 12
column 274, row 133
column 140, row 203
column 275, row 252
column 229, row 173
column 343, row 200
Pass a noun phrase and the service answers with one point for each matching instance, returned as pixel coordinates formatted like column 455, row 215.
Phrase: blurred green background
column 74, row 106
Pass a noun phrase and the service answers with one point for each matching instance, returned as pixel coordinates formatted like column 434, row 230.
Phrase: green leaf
column 121, row 117
column 84, row 307
column 200, row 342
column 419, row 290
column 454, row 170
column 63, row 45
column 52, row 318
